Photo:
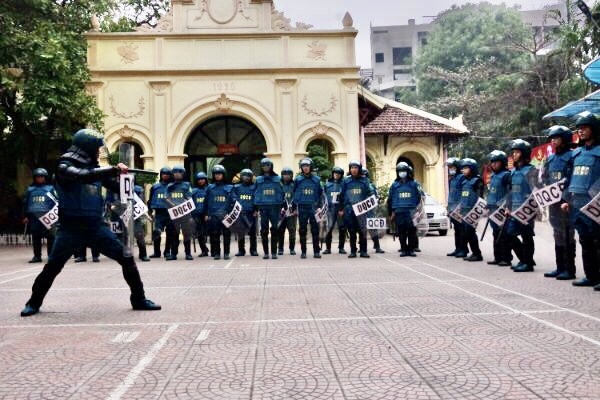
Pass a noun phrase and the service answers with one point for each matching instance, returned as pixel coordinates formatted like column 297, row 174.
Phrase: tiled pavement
column 429, row 327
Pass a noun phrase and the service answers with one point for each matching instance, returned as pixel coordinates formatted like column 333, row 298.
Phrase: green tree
column 321, row 161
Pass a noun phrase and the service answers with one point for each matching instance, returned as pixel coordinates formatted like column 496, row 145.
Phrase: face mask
column 451, row 172
column 402, row 174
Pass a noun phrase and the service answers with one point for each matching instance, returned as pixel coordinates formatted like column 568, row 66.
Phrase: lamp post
column 586, row 11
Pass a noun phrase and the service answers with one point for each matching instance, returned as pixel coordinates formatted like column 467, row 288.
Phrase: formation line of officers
column 282, row 203
column 580, row 169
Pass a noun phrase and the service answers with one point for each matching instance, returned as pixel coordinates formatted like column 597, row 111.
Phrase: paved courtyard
column 430, row 327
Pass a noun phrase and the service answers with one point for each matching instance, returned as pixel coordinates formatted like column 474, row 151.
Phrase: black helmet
column 246, row 172
column 471, row 164
column 266, row 162
column 355, row 163
column 498, row 155
column 40, row 172
column 178, row 169
column 337, row 170
column 453, row 162
column 402, row 166
column 522, row 145
column 586, row 118
column 201, row 175
column 287, row 171
column 364, row 172
column 166, row 171
column 560, row 131
column 306, row 161
column 88, row 140
column 219, row 169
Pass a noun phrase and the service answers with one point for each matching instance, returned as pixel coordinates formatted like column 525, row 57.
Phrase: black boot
column 142, row 248
column 265, row 245
column 156, row 245
column 274, row 247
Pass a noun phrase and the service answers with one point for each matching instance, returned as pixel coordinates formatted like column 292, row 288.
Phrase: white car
column 437, row 216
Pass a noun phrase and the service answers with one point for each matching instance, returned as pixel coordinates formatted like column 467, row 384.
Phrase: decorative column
column 287, row 123
column 351, row 121
column 158, row 124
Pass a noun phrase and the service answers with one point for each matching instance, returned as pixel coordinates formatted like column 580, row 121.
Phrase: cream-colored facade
column 231, row 81
column 240, row 60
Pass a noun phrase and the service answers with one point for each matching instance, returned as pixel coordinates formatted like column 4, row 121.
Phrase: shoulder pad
column 316, row 179
column 552, row 157
column 596, row 151
column 576, row 152
column 276, row 178
column 260, row 179
column 228, row 188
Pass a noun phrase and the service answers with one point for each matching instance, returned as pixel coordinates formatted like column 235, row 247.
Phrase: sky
column 328, row 14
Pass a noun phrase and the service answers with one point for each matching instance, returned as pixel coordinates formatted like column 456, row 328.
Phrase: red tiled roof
column 397, row 122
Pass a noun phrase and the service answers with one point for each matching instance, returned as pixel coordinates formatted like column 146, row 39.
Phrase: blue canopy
column 590, row 103
column 592, row 71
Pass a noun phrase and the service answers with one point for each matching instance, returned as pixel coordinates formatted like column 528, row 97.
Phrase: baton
column 142, row 171
column 485, row 229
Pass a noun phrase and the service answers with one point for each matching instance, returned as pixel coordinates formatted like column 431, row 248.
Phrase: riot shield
column 180, row 211
column 237, row 221
column 126, row 196
column 46, row 212
column 419, row 218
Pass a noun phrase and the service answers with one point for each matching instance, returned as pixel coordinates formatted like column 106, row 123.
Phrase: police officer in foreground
column 178, row 192
column 499, row 189
column 583, row 185
column 524, row 178
column 472, row 190
column 307, row 197
column 37, row 203
column 455, row 181
column 218, row 202
column 403, row 199
column 243, row 192
column 158, row 203
column 79, row 181
column 355, row 188
column 555, row 169
column 289, row 217
column 268, row 200
column 199, row 195
column 333, row 188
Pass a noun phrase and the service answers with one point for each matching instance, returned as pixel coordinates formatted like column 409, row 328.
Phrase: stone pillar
column 158, row 123
column 351, row 118
column 287, row 122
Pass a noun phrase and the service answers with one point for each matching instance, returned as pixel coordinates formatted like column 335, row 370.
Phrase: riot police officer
column 199, row 194
column 269, row 201
column 524, row 179
column 218, row 202
column 374, row 235
column 38, row 202
column 79, row 180
column 472, row 189
column 404, row 197
column 499, row 188
column 289, row 217
column 333, row 188
column 308, row 197
column 582, row 187
column 555, row 169
column 178, row 192
column 243, row 192
column 455, row 182
column 158, row 203
column 355, row 188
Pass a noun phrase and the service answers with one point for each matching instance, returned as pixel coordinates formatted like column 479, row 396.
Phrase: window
column 402, row 55
column 379, row 57
column 400, row 74
column 422, row 38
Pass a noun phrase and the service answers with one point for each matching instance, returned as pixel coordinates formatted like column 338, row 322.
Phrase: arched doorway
column 138, row 152
column 417, row 162
column 233, row 142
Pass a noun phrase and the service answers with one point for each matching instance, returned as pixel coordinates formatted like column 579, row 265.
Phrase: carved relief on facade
column 222, row 11
column 320, row 129
column 164, row 24
column 159, row 87
column 224, row 103
column 125, row 115
column 279, row 22
column 126, row 132
column 286, row 85
column 128, row 53
column 310, row 110
column 317, row 51
column 93, row 87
